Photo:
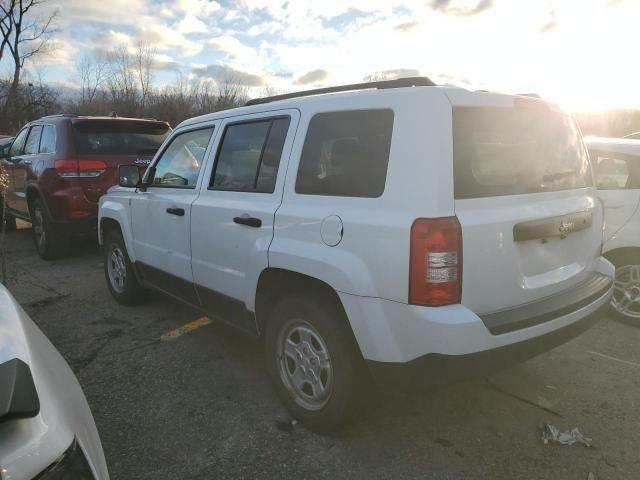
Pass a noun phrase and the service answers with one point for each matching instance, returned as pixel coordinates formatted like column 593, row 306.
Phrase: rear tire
column 313, row 362
column 625, row 304
column 119, row 271
column 50, row 243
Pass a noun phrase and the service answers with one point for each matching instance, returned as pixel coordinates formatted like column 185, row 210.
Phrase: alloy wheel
column 38, row 229
column 305, row 365
column 626, row 295
column 117, row 269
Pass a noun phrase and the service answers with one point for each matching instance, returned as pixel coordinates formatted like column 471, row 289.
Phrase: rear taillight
column 435, row 271
column 80, row 168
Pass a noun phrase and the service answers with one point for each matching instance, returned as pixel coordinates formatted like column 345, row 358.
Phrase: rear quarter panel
column 373, row 257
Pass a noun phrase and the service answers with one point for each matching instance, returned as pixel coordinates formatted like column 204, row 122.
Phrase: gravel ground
column 200, row 405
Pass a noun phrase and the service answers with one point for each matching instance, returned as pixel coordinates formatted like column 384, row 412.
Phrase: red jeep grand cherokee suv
column 60, row 165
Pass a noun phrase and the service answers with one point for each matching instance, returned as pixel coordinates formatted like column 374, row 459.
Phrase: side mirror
column 129, row 176
column 18, row 395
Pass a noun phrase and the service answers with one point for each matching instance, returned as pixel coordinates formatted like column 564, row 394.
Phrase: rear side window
column 249, row 156
column 33, row 140
column 346, row 154
column 511, row 151
column 118, row 137
column 615, row 171
column 48, row 139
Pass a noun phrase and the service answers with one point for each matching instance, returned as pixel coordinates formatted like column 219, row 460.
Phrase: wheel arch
column 114, row 215
column 617, row 255
column 275, row 283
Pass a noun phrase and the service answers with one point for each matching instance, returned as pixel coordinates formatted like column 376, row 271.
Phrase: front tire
column 313, row 362
column 119, row 271
column 50, row 244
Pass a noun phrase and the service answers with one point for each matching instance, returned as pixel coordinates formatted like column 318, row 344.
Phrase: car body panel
column 368, row 264
column 30, row 445
column 622, row 204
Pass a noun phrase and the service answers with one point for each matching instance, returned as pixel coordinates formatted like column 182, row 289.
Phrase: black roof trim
column 399, row 83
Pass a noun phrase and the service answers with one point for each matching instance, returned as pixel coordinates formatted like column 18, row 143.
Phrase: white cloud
column 191, row 24
column 197, row 7
column 163, row 38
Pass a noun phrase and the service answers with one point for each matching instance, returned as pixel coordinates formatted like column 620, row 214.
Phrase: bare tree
column 92, row 71
column 144, row 57
column 122, row 80
column 231, row 93
column 25, row 37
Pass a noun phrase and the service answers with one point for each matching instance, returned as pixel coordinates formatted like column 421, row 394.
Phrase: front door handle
column 176, row 211
column 248, row 221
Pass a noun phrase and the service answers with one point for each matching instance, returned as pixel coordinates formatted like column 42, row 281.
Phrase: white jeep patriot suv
column 397, row 229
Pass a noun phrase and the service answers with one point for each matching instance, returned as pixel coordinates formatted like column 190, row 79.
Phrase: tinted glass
column 616, row 172
column 121, row 137
column 249, row 157
column 512, row 151
column 239, row 156
column 346, row 154
column 180, row 162
column 48, row 139
column 18, row 143
column 33, row 140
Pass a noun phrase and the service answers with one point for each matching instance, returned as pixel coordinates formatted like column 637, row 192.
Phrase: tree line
column 116, row 80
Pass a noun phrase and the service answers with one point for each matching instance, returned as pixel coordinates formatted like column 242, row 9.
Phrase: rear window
column 514, row 151
column 118, row 137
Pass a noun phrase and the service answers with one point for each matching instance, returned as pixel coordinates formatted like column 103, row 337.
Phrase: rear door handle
column 248, row 221
column 176, row 211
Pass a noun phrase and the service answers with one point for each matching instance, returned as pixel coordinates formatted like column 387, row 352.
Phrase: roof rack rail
column 398, row 83
column 60, row 115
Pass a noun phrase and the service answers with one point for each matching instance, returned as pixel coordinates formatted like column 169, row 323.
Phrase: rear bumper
column 439, row 369
column 395, row 335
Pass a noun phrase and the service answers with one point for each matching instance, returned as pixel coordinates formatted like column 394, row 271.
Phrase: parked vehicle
column 396, row 229
column 617, row 168
column 59, row 166
column 46, row 428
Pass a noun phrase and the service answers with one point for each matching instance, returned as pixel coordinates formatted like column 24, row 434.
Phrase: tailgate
column 530, row 217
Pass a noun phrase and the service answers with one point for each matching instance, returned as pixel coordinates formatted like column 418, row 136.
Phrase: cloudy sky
column 582, row 53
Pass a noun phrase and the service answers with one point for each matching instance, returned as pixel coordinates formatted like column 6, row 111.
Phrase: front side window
column 249, row 156
column 48, row 139
column 616, row 172
column 33, row 140
column 181, row 161
column 18, row 144
column 346, row 154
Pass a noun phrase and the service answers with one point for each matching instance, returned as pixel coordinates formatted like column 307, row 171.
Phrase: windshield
column 513, row 151
column 118, row 137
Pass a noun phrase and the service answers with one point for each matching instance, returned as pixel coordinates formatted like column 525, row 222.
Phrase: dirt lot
column 199, row 404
